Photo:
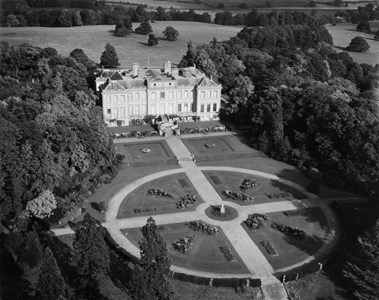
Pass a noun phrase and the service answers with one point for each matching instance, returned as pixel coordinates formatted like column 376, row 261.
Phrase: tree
column 144, row 28
column 50, row 283
column 149, row 277
column 221, row 6
column 364, row 26
column 42, row 206
column 171, row 33
column 376, row 36
column 189, row 58
column 358, row 44
column 12, row 21
column 91, row 255
column 109, row 57
column 362, row 270
column 152, row 41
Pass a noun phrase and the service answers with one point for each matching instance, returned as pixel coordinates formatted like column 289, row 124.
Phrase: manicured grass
column 292, row 250
column 130, row 49
column 314, row 287
column 226, row 144
column 190, row 291
column 170, row 184
column 342, row 35
column 233, row 180
column 133, row 151
column 205, row 255
column 124, row 176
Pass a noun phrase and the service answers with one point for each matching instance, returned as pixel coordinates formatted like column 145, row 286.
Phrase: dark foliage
column 358, row 44
column 109, row 58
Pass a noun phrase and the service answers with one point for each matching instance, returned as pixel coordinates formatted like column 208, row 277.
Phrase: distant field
column 342, row 35
column 130, row 49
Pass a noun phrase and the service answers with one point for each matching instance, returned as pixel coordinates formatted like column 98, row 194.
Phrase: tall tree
column 149, row 279
column 91, row 255
column 362, row 271
column 189, row 58
column 170, row 33
column 109, row 57
column 50, row 283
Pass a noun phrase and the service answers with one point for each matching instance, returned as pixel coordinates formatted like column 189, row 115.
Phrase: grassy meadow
column 342, row 35
column 130, row 49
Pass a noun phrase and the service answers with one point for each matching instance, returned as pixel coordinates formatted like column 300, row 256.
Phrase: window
column 202, row 95
column 115, row 100
column 185, row 94
column 179, row 108
column 153, row 96
column 202, row 108
column 137, row 96
column 122, row 112
column 143, row 109
column 185, row 107
column 130, row 96
column 171, row 95
column 180, row 94
column 108, row 100
column 122, row 99
column 214, row 106
column 143, row 96
column 209, row 94
column 208, row 108
column 162, row 95
column 109, row 111
column 136, row 109
column 130, row 109
column 115, row 113
column 215, row 94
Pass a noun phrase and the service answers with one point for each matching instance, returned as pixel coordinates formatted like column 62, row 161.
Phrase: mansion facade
column 137, row 92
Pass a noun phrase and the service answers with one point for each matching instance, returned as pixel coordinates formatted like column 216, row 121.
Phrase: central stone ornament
column 221, row 212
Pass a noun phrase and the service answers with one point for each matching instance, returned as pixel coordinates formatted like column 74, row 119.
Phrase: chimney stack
column 135, row 69
column 167, row 68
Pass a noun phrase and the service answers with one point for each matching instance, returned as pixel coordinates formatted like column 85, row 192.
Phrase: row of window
column 208, row 94
column 208, row 107
column 119, row 113
column 121, row 99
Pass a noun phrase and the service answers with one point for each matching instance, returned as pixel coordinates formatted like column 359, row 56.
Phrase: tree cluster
column 305, row 103
column 54, row 148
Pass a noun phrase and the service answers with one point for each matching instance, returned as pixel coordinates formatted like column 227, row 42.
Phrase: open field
column 265, row 187
column 205, row 255
column 130, row 49
column 138, row 199
column 342, row 35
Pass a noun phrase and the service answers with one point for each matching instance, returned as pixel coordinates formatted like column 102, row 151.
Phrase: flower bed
column 237, row 196
column 297, row 212
column 187, row 201
column 201, row 226
column 292, row 231
column 145, row 210
column 158, row 193
column 215, row 179
column 189, row 130
column 228, row 254
column 183, row 183
column 269, row 248
column 247, row 184
column 209, row 145
column 256, row 221
column 185, row 244
column 279, row 195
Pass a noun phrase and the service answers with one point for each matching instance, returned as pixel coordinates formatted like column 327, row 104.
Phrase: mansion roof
column 137, row 78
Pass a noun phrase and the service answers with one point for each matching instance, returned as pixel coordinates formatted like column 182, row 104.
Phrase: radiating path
column 248, row 251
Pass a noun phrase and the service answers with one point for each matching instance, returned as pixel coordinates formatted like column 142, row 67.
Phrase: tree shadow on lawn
column 12, row 284
column 120, row 271
column 309, row 244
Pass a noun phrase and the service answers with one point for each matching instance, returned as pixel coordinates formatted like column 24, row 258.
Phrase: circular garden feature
column 221, row 212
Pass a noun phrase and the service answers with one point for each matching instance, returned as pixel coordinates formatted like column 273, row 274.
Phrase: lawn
column 227, row 144
column 265, row 187
column 130, row 49
column 138, row 199
column 292, row 250
column 205, row 255
column 342, row 35
column 134, row 151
